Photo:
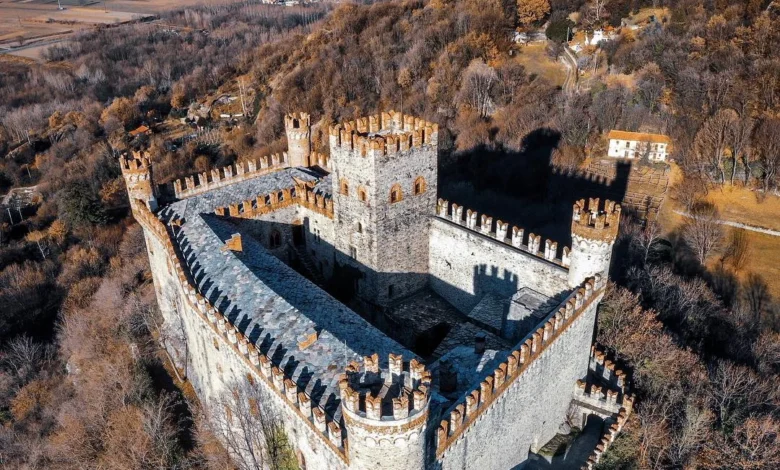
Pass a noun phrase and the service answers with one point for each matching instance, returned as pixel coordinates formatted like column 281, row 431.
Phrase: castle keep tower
column 593, row 233
column 137, row 171
column 384, row 186
column 385, row 413
column 298, row 129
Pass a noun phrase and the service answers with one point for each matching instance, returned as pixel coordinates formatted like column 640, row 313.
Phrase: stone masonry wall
column 530, row 411
column 464, row 265
column 404, row 226
column 214, row 365
column 320, row 239
column 390, row 244
column 358, row 173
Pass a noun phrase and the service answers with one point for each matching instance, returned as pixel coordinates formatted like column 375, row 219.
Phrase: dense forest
column 83, row 380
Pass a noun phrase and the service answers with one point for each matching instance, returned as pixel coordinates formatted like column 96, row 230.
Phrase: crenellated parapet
column 396, row 392
column 608, row 438
column 137, row 172
column 219, row 177
column 136, row 163
column 501, row 231
column 385, row 409
column 286, row 389
column 591, row 223
column 382, row 134
column 297, row 126
column 605, row 370
column 467, row 411
column 270, row 202
column 320, row 160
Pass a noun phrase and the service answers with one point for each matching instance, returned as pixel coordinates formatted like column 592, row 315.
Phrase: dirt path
column 752, row 228
column 569, row 60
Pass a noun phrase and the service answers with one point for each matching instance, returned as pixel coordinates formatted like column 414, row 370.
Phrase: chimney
column 479, row 343
column 234, row 244
column 448, row 377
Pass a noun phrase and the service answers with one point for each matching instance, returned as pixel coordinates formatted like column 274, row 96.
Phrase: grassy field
column 29, row 27
column 738, row 205
column 536, row 61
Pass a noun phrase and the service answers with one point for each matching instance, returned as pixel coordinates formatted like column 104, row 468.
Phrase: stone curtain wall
column 215, row 362
column 530, row 410
column 464, row 265
column 218, row 177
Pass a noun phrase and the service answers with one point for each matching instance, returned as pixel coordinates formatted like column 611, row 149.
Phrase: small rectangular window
column 353, row 252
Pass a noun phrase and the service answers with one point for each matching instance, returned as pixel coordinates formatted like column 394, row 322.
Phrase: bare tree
column 767, row 147
column 703, row 232
column 739, row 142
column 23, row 356
column 644, row 239
column 252, row 434
column 479, row 79
column 712, row 140
column 730, row 385
column 756, row 294
column 738, row 250
column 691, row 435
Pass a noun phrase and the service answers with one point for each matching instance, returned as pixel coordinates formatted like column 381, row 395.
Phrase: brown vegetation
column 80, row 382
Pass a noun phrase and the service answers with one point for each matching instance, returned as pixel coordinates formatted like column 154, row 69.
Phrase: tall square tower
column 384, row 187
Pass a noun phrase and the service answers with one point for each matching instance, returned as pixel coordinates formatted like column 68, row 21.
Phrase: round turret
column 593, row 233
column 386, row 412
column 137, row 171
column 298, row 129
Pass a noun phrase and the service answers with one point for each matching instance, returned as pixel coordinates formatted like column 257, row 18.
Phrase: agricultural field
column 28, row 28
column 536, row 61
column 744, row 206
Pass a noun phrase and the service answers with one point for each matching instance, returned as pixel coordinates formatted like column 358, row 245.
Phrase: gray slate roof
column 268, row 301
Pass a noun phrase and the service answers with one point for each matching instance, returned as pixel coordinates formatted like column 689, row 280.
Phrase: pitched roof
column 140, row 130
column 640, row 136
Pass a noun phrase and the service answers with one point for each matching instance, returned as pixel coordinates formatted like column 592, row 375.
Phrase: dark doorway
column 299, row 238
column 429, row 340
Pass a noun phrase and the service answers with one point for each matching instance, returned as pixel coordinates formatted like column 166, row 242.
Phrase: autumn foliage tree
column 531, row 11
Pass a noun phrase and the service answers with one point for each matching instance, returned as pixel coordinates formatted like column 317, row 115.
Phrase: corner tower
column 593, row 233
column 384, row 186
column 298, row 129
column 137, row 171
column 385, row 413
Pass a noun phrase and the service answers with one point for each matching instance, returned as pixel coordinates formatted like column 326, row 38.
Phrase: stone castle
column 385, row 327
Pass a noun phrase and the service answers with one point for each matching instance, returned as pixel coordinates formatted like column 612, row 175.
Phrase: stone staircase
column 307, row 265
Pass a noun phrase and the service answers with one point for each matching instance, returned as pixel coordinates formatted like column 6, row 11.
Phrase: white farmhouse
column 624, row 144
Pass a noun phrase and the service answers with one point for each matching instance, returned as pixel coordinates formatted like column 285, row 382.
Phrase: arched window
column 275, row 240
column 419, row 186
column 396, row 194
column 344, row 187
column 359, row 227
column 362, row 194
